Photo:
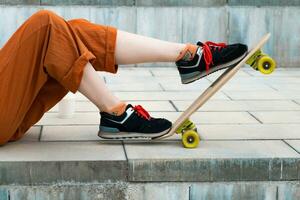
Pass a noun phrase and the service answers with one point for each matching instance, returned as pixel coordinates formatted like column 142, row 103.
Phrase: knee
column 75, row 23
column 44, row 16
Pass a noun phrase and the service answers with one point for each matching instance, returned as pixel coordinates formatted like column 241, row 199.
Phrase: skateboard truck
column 190, row 137
column 261, row 62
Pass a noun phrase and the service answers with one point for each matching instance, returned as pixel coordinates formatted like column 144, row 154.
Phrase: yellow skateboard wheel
column 190, row 139
column 266, row 64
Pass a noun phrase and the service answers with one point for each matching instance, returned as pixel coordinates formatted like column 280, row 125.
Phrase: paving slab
column 31, row 163
column 264, row 79
column 87, row 106
column 292, row 87
column 248, row 131
column 164, row 72
column 294, row 143
column 241, row 73
column 279, row 72
column 177, row 81
column 91, row 118
column 80, row 106
column 52, row 151
column 242, row 105
column 255, row 95
column 280, row 117
column 86, row 118
column 70, row 133
column 210, row 150
column 151, row 86
column 290, row 94
column 200, row 87
column 212, row 161
column 116, row 79
column 297, row 101
column 32, row 134
column 126, row 71
column 212, row 117
column 164, row 95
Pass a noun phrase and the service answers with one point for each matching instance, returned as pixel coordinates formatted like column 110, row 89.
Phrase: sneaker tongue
column 128, row 106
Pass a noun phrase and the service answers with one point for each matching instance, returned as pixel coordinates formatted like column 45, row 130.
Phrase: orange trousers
column 42, row 61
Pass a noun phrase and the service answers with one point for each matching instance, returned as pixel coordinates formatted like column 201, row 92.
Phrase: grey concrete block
column 212, row 161
column 225, row 169
column 204, row 24
column 233, row 191
column 263, row 3
column 89, row 2
column 54, row 172
column 115, row 16
column 202, row 3
column 248, row 24
column 168, row 170
column 108, row 191
column 4, row 193
column 70, row 12
column 151, row 191
column 257, row 170
column 160, row 22
column 57, row 162
column 14, row 16
column 216, row 170
column 289, row 191
column 20, row 2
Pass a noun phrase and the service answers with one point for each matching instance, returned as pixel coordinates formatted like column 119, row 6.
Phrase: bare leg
column 132, row 48
column 94, row 88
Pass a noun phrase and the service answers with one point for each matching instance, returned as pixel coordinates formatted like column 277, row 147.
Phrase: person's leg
column 94, row 88
column 44, row 47
column 132, row 48
column 113, row 47
column 129, row 48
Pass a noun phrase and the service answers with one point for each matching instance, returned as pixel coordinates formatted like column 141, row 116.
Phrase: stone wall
column 150, row 191
column 179, row 21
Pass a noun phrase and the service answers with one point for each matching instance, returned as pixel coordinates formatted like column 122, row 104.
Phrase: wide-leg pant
column 42, row 61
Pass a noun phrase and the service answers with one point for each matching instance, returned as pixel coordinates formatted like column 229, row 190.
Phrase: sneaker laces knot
column 142, row 112
column 207, row 47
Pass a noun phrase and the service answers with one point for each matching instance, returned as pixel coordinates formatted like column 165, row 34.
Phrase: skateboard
column 184, row 126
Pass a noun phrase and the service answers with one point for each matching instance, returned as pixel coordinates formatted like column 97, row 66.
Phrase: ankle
column 117, row 109
column 188, row 52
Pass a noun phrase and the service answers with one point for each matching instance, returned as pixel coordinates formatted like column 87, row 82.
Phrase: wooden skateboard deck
column 184, row 126
column 213, row 88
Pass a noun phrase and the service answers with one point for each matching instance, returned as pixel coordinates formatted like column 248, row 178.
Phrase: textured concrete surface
column 240, row 21
column 249, row 131
column 202, row 3
column 149, row 191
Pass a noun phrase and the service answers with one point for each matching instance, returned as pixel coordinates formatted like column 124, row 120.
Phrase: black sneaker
column 210, row 57
column 135, row 122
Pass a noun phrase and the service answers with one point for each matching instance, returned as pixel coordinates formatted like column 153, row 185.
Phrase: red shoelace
column 142, row 112
column 207, row 46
